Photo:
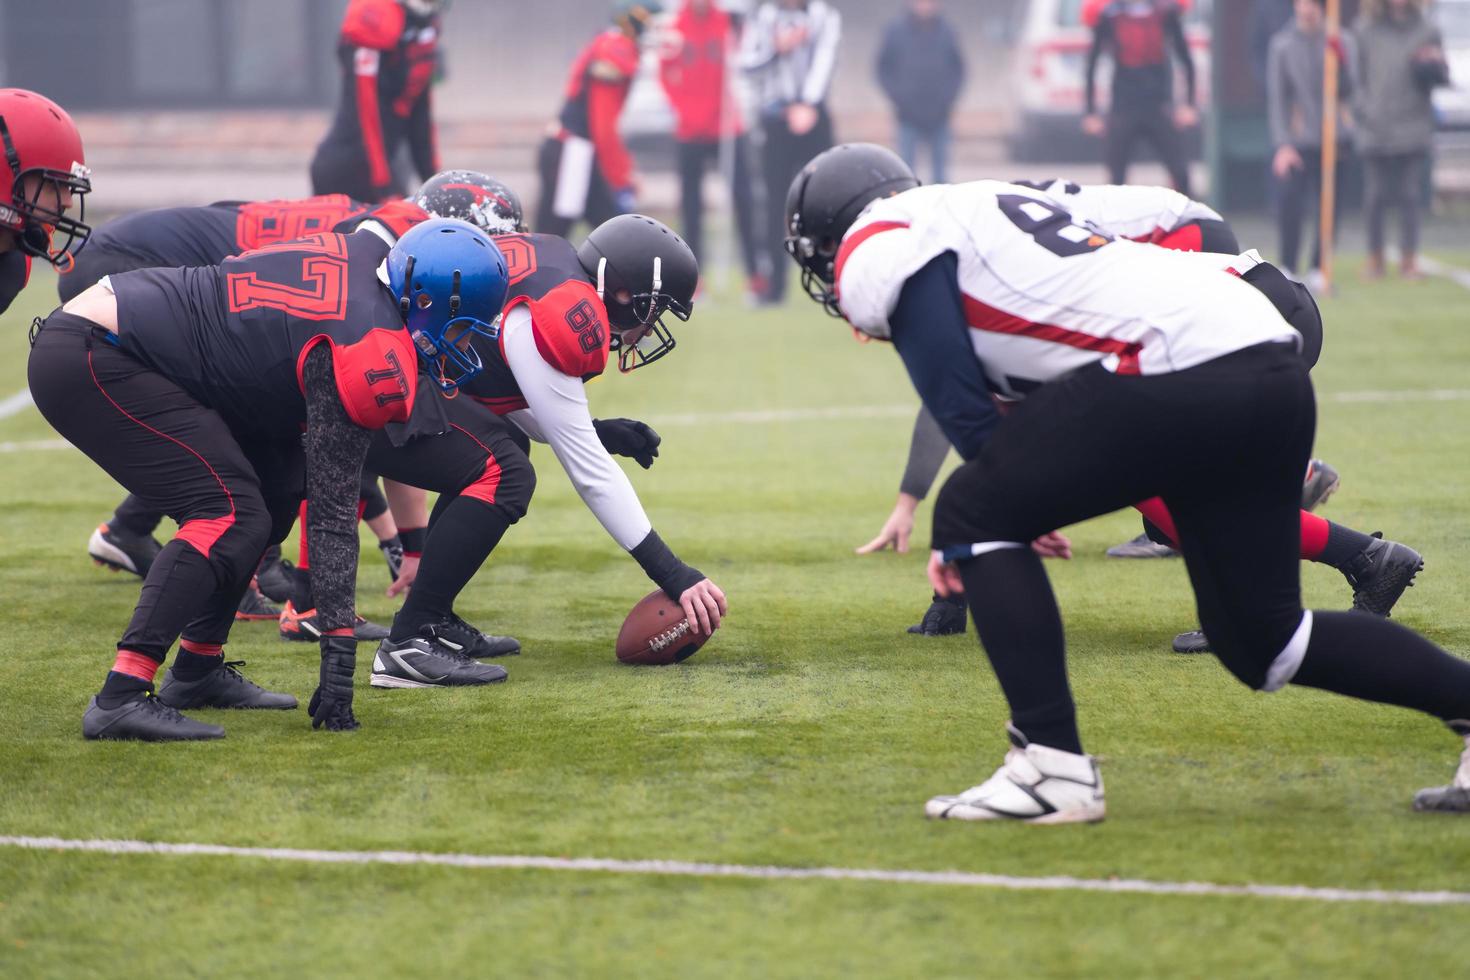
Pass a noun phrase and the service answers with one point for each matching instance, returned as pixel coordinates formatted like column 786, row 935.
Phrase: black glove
column 628, row 437
column 331, row 703
column 392, row 550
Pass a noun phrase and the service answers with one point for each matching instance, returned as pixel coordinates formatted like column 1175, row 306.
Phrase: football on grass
column 657, row 633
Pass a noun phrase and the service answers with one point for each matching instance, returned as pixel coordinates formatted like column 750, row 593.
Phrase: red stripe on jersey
column 860, row 236
column 981, row 316
column 366, row 79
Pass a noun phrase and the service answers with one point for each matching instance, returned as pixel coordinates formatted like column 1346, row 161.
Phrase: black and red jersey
column 596, row 89
column 567, row 317
column 1140, row 35
column 387, row 55
column 234, row 336
column 208, row 235
column 15, row 272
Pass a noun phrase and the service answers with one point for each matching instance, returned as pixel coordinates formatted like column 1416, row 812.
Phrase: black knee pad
column 964, row 512
column 517, row 485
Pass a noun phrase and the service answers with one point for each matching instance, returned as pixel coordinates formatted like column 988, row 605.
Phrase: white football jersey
column 1127, row 211
column 1044, row 293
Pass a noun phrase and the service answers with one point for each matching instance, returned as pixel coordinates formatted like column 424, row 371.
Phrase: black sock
column 461, row 538
column 1020, row 628
column 1343, row 545
column 301, row 598
column 953, row 600
column 192, row 666
column 119, row 689
column 1379, row 660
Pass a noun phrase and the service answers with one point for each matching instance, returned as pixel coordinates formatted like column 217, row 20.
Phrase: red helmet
column 40, row 140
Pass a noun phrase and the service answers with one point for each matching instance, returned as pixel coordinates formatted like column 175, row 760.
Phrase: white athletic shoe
column 1454, row 798
column 1036, row 785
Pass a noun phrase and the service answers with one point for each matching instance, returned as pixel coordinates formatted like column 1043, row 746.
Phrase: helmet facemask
column 450, row 347
column 818, row 268
column 641, row 310
column 39, row 214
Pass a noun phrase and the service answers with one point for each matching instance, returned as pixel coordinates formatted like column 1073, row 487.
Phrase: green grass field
column 808, row 733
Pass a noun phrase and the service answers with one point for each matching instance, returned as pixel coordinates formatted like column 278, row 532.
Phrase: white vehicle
column 1048, row 81
column 1452, row 102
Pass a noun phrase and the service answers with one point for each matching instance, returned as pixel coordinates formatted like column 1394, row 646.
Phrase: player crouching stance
column 190, row 387
column 1140, row 372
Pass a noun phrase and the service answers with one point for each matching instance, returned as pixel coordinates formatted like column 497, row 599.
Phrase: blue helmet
column 450, row 281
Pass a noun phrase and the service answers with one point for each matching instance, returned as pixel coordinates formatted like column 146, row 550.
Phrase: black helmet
column 471, row 196
column 636, row 257
column 824, row 201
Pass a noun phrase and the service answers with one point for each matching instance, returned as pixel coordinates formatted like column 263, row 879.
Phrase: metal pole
column 1327, row 225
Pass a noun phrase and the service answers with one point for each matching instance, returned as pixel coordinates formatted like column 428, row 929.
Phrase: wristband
column 664, row 567
column 413, row 540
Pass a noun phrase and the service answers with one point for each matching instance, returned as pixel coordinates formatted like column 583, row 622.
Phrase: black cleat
column 1141, row 547
column 302, row 627
column 461, row 637
column 1322, row 482
column 276, row 576
column 417, row 662
column 1380, row 573
column 944, row 617
column 1192, row 642
column 123, row 552
column 254, row 606
column 146, row 719
column 222, row 688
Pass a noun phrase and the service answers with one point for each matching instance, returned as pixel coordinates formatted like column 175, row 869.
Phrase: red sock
column 1314, row 535
column 1155, row 511
column 302, row 559
column 135, row 664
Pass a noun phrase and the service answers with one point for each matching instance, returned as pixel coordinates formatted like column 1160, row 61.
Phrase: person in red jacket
column 585, row 169
column 388, row 51
column 692, row 68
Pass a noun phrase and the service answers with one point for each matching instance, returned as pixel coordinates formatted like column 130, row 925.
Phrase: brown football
column 657, row 633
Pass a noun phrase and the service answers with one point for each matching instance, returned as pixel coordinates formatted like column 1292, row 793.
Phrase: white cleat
column 1036, row 785
column 1454, row 798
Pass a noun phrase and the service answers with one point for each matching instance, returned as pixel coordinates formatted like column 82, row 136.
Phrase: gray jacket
column 1294, row 68
column 1393, row 109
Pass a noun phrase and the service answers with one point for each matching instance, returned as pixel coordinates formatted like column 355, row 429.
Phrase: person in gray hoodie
column 1402, row 60
column 1294, row 70
column 922, row 70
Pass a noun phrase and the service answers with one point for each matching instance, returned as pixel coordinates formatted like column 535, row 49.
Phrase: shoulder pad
column 570, row 326
column 373, row 24
column 396, row 216
column 377, row 376
column 872, row 265
column 614, row 57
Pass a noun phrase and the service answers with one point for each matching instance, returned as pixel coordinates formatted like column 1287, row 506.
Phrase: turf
column 809, row 732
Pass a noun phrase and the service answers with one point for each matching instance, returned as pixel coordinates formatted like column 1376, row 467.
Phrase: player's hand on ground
column 944, row 576
column 1285, row 161
column 1053, row 545
column 407, row 572
column 629, row 437
column 331, row 702
column 897, row 529
column 1093, row 124
column 1186, row 116
column 704, row 606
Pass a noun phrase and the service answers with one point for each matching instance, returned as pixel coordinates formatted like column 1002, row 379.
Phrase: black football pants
column 231, row 498
column 1224, row 444
column 1151, row 124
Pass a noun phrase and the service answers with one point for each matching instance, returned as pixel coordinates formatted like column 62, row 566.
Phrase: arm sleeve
column 422, row 142
column 885, row 69
column 1174, row 25
column 824, row 58
column 604, row 106
column 366, row 81
column 1278, row 96
column 559, row 404
column 335, row 450
column 758, row 44
column 1099, row 38
column 927, row 450
column 932, row 338
column 527, row 423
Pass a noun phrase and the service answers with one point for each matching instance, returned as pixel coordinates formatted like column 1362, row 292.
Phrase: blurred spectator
column 692, row 67
column 1402, row 61
column 1294, row 104
column 790, row 50
column 1267, row 18
column 586, row 171
column 1139, row 35
column 387, row 50
column 922, row 71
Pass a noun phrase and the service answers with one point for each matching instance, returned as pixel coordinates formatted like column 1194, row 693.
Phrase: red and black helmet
column 472, row 196
column 39, row 140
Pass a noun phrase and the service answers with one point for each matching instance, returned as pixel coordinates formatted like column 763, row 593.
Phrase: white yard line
column 33, row 445
column 16, row 403
column 695, row 869
column 1437, row 268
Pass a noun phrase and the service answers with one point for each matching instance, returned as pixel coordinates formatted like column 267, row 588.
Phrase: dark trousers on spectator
column 694, row 159
column 911, row 137
column 1300, row 194
column 1394, row 180
column 783, row 154
column 1153, row 124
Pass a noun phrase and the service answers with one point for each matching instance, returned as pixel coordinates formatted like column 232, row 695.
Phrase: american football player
column 1110, row 350
column 43, row 176
column 388, row 51
column 569, row 309
column 190, row 387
